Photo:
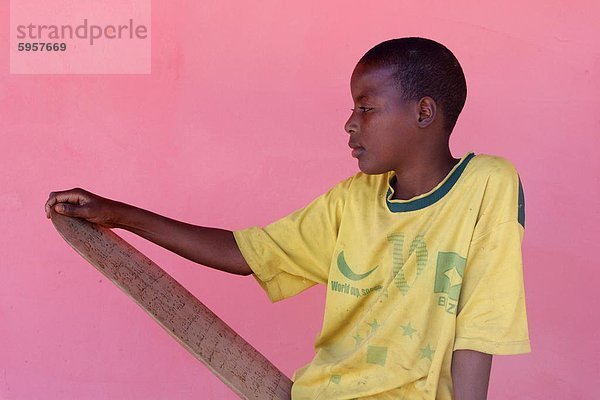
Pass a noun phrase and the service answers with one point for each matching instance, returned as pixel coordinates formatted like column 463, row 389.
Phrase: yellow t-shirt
column 409, row 281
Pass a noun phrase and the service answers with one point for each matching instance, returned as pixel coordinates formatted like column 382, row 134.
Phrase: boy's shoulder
column 488, row 164
column 493, row 171
column 499, row 183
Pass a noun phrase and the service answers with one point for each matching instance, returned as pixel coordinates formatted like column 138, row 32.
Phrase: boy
column 420, row 251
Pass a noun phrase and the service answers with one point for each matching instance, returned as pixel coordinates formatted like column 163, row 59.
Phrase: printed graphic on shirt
column 377, row 355
column 427, row 352
column 347, row 271
column 358, row 339
column 399, row 275
column 374, row 325
column 418, row 245
column 448, row 279
column 408, row 330
column 349, row 288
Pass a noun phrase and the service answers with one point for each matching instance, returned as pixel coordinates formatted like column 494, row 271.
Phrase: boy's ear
column 427, row 110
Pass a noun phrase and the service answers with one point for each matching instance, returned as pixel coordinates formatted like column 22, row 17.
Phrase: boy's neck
column 423, row 173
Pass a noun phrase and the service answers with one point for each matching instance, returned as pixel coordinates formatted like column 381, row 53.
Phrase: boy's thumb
column 70, row 210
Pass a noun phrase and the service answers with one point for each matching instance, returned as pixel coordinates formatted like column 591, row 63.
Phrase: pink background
column 240, row 123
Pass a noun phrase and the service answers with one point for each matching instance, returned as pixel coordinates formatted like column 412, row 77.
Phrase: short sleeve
column 491, row 316
column 294, row 252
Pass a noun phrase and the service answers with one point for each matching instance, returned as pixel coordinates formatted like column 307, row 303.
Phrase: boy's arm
column 213, row 247
column 470, row 374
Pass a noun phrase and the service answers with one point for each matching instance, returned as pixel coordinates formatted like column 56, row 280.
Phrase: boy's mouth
column 357, row 150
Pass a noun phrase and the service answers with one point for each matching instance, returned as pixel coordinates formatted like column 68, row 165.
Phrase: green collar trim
column 437, row 194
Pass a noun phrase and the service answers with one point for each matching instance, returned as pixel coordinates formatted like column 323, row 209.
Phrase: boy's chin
column 371, row 169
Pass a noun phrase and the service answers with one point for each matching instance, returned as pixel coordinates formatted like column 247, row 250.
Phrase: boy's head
column 408, row 93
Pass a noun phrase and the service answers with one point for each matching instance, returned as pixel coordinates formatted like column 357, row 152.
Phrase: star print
column 427, row 352
column 408, row 330
column 454, row 277
column 374, row 325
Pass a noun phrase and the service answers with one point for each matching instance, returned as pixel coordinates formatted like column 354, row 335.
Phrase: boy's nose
column 350, row 126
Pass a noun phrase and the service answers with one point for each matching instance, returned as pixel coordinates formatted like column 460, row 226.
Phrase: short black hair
column 424, row 67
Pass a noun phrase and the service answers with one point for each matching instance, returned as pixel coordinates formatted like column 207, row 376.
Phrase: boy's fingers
column 70, row 210
column 50, row 203
column 70, row 196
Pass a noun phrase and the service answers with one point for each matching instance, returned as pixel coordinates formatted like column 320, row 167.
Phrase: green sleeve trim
column 521, row 215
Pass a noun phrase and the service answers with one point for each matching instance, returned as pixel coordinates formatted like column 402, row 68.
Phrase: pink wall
column 240, row 123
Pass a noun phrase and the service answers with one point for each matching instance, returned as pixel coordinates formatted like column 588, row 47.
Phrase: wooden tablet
column 239, row 365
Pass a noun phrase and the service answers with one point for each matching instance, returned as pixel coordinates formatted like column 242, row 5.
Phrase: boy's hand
column 212, row 247
column 83, row 204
